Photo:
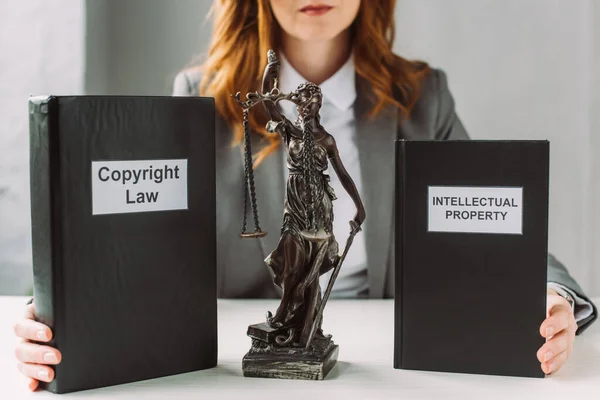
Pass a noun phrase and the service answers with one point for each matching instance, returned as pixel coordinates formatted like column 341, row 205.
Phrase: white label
column 475, row 209
column 138, row 186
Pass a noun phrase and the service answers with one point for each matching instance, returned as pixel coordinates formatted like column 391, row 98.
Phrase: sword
column 354, row 229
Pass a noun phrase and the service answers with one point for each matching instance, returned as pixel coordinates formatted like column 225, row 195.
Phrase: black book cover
column 471, row 256
column 124, row 235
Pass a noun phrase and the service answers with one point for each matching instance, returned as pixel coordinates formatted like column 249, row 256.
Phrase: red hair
column 245, row 30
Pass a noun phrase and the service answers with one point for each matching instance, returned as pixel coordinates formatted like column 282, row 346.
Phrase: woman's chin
column 314, row 33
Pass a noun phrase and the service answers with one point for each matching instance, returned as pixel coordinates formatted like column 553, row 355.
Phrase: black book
column 471, row 256
column 123, row 220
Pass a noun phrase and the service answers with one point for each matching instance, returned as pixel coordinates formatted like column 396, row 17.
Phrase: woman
column 371, row 97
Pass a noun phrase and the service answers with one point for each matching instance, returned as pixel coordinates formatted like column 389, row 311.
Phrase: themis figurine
column 291, row 344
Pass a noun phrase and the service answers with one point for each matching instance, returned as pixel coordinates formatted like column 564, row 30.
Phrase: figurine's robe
column 301, row 256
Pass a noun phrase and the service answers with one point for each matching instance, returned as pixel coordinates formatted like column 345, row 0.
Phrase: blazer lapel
column 376, row 137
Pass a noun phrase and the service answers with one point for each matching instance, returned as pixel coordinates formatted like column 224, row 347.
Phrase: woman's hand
column 559, row 330
column 32, row 358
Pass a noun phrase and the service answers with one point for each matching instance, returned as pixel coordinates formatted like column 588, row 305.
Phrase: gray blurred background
column 518, row 69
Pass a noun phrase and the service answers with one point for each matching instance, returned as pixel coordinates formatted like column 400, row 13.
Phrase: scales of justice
column 290, row 343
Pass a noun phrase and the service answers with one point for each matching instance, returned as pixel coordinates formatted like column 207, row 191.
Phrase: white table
column 364, row 369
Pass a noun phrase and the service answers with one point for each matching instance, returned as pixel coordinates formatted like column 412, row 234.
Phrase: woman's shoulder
column 433, row 85
column 187, row 82
column 434, row 113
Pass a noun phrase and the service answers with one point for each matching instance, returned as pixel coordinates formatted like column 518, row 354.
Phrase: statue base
column 267, row 359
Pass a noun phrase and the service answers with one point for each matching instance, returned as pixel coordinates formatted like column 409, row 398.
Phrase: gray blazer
column 241, row 270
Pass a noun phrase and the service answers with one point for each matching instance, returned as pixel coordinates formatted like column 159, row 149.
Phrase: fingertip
column 58, row 355
column 45, row 374
column 33, row 384
column 540, row 355
column 550, row 327
column 543, row 329
column 49, row 333
column 44, row 334
column 546, row 368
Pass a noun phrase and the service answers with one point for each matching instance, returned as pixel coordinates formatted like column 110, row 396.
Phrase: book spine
column 45, row 213
column 399, row 248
